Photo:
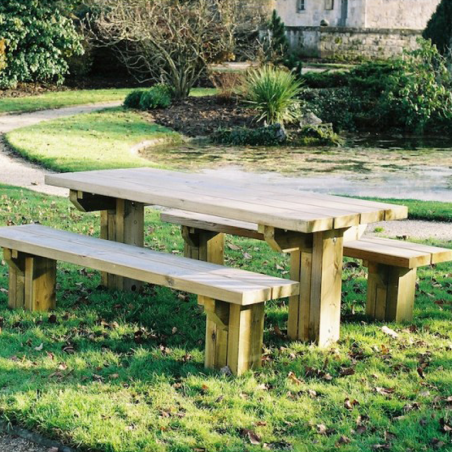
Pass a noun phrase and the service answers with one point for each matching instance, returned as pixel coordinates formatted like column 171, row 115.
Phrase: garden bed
column 201, row 116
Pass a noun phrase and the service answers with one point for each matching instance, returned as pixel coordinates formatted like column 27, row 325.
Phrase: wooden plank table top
column 264, row 204
column 311, row 227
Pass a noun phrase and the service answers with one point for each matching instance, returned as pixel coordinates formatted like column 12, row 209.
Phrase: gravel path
column 411, row 229
column 19, row 172
column 17, row 444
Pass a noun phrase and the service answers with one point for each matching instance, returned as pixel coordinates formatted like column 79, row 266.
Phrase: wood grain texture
column 123, row 224
column 246, row 327
column 40, row 283
column 203, row 245
column 236, row 200
column 16, row 276
column 202, row 278
column 390, row 293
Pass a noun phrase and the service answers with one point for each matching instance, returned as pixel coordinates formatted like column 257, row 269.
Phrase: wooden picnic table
column 310, row 226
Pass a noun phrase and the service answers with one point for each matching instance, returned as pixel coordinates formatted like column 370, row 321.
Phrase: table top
column 264, row 204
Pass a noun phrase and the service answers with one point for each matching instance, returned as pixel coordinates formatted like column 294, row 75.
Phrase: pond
column 370, row 165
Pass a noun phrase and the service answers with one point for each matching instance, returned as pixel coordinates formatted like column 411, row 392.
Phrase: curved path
column 17, row 171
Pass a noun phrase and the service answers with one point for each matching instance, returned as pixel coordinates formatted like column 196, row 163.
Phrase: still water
column 369, row 166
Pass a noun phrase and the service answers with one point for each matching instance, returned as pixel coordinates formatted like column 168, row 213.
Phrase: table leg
column 316, row 261
column 203, row 245
column 121, row 221
column 124, row 224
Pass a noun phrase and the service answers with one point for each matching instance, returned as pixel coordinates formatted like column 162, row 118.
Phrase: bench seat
column 392, row 263
column 233, row 298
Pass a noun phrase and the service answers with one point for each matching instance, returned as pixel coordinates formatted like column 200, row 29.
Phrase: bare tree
column 171, row 41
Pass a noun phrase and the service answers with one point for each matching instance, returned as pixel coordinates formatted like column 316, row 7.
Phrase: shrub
column 272, row 92
column 338, row 106
column 276, row 46
column 439, row 27
column 228, row 83
column 39, row 40
column 418, row 93
column 322, row 134
column 159, row 96
column 133, row 99
column 262, row 136
column 411, row 93
column 325, row 79
column 2, row 55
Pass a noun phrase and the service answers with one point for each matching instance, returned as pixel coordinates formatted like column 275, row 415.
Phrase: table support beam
column 124, row 224
column 316, row 261
column 203, row 245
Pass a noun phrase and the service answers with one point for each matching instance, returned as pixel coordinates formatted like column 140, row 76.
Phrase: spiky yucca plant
column 272, row 91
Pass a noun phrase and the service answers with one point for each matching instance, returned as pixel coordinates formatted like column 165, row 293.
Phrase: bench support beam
column 234, row 335
column 203, row 245
column 390, row 292
column 32, row 281
column 124, row 224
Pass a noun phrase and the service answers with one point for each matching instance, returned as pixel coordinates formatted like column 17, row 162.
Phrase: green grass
column 61, row 99
column 124, row 391
column 100, row 140
column 422, row 210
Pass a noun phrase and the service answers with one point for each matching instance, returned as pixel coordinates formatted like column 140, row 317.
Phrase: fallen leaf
column 389, row 332
column 385, row 391
column 349, row 404
column 294, row 378
column 343, row 440
column 252, row 436
column 233, row 247
column 39, row 347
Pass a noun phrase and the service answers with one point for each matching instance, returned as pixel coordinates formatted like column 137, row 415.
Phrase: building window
column 301, row 7
column 329, row 4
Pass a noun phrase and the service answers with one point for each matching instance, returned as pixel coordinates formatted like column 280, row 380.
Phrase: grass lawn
column 422, row 210
column 100, row 140
column 114, row 372
column 69, row 98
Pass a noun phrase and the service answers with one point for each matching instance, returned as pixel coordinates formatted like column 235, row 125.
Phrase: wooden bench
column 392, row 264
column 233, row 299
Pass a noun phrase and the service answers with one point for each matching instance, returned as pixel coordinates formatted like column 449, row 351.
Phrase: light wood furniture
column 309, row 226
column 392, row 264
column 233, row 299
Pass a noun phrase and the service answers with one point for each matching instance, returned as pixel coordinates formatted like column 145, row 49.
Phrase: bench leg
column 203, row 245
column 125, row 224
column 234, row 335
column 314, row 315
column 32, row 282
column 390, row 292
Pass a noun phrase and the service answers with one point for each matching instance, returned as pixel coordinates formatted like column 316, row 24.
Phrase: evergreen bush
column 439, row 27
column 38, row 39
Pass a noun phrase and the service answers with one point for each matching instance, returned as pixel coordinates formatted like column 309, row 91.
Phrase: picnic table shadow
column 156, row 321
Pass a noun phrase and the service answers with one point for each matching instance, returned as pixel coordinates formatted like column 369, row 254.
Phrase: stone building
column 354, row 28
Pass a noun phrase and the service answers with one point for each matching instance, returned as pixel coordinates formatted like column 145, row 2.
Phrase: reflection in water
column 368, row 166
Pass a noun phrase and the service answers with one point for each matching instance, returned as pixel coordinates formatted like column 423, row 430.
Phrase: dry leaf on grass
column 389, row 332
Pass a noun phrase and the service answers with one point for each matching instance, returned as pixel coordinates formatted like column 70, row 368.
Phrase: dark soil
column 201, row 116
